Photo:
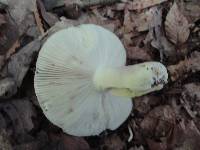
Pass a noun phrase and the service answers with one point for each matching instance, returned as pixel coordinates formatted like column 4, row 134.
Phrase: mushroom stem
column 131, row 81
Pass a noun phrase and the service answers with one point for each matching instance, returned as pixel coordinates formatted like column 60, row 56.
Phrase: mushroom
column 82, row 83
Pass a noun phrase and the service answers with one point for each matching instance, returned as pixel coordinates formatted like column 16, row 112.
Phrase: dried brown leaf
column 190, row 9
column 48, row 17
column 5, row 143
column 185, row 136
column 142, row 4
column 38, row 21
column 20, row 119
column 176, row 26
column 128, row 23
column 8, row 36
column 193, row 91
column 2, row 19
column 8, row 87
column 74, row 143
column 98, row 19
column 12, row 49
column 185, row 67
column 157, row 37
column 158, row 122
column 153, row 145
column 144, row 104
column 137, row 53
column 143, row 20
column 113, row 142
column 19, row 62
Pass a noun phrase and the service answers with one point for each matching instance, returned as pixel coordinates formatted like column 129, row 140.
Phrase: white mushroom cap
column 64, row 84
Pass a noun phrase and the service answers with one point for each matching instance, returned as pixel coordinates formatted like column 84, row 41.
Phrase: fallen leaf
column 12, row 49
column 158, row 122
column 8, row 36
column 176, row 26
column 48, row 17
column 153, row 145
column 19, row 62
column 157, row 37
column 98, row 19
column 142, row 4
column 185, row 67
column 190, row 9
column 137, row 53
column 72, row 10
column 113, row 142
column 50, row 4
column 144, row 104
column 144, row 19
column 128, row 23
column 5, row 143
column 38, row 21
column 74, row 143
column 137, row 148
column 7, row 87
column 18, row 121
column 193, row 91
column 185, row 136
column 2, row 19
column 2, row 61
column 22, row 14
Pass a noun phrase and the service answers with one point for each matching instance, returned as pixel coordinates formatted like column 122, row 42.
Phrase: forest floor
column 151, row 30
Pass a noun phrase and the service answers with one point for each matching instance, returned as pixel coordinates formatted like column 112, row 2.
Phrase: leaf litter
column 150, row 30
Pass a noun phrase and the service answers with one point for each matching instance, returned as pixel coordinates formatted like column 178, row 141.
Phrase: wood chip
column 176, row 26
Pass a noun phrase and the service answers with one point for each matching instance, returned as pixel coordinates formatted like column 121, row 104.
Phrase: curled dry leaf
column 2, row 19
column 144, row 19
column 156, row 36
column 137, row 53
column 142, row 4
column 17, row 120
column 158, row 122
column 5, row 143
column 74, row 143
column 144, row 104
column 12, row 49
column 176, row 26
column 38, row 21
column 193, row 91
column 48, row 17
column 128, row 22
column 185, row 136
column 153, row 145
column 7, row 87
column 185, row 67
column 190, row 9
column 113, row 142
column 19, row 62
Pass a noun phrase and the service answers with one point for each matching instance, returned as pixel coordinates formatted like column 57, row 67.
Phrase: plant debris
column 176, row 26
